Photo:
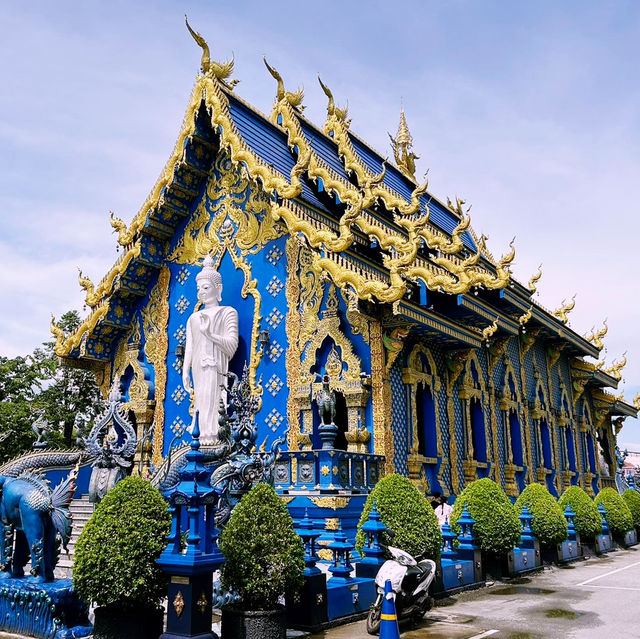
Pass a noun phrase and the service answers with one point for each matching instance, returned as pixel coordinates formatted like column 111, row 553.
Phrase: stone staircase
column 81, row 510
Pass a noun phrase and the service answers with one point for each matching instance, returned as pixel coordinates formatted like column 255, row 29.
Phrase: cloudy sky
column 530, row 111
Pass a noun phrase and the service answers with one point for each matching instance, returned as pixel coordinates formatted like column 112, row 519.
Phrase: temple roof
column 389, row 237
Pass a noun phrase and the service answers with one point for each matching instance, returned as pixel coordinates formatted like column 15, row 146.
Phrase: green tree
column 69, row 391
column 38, row 382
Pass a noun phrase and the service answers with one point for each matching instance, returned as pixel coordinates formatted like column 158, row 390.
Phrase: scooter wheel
column 426, row 606
column 373, row 619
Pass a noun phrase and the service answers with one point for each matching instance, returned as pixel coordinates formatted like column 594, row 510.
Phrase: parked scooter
column 410, row 580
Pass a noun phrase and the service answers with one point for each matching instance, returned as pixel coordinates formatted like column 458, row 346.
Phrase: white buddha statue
column 212, row 339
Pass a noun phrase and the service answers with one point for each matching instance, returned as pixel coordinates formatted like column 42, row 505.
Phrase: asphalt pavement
column 586, row 599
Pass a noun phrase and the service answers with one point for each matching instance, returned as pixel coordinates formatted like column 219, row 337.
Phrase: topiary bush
column 407, row 514
column 497, row 527
column 619, row 516
column 264, row 555
column 588, row 520
column 115, row 557
column 548, row 524
column 632, row 499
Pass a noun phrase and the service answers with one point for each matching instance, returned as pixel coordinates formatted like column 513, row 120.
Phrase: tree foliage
column 407, row 514
column 264, row 555
column 497, row 527
column 588, row 520
column 632, row 499
column 115, row 557
column 38, row 382
column 549, row 524
column 618, row 515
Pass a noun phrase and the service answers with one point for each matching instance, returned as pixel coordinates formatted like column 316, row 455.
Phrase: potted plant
column 549, row 524
column 497, row 527
column 410, row 520
column 264, row 562
column 588, row 521
column 115, row 561
column 619, row 516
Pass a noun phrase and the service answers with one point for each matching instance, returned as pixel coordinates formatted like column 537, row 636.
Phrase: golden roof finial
column 534, row 279
column 332, row 109
column 87, row 285
column 294, row 99
column 490, row 330
column 596, row 337
column 523, row 319
column 562, row 312
column 616, row 367
column 56, row 331
column 402, row 148
column 636, row 401
column 220, row 70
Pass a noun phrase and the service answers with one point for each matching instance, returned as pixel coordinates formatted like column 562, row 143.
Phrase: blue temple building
column 341, row 263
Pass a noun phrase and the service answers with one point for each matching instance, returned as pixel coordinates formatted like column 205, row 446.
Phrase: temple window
column 425, row 460
column 515, row 438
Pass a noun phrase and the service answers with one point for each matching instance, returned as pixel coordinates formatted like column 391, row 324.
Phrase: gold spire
column 402, row 148
column 403, row 137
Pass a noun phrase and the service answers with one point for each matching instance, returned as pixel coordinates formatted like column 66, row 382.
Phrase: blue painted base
column 308, row 611
column 630, row 538
column 523, row 560
column 46, row 610
column 347, row 597
column 569, row 550
column 603, row 544
column 454, row 574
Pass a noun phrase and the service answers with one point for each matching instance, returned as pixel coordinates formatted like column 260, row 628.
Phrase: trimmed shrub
column 497, row 527
column 265, row 556
column 632, row 499
column 115, row 557
column 406, row 512
column 588, row 520
column 548, row 524
column 619, row 516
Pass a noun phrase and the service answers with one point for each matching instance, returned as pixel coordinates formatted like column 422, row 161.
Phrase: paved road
column 590, row 599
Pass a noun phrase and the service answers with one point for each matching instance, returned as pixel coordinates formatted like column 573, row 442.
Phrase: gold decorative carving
column 394, row 343
column 325, row 554
column 325, row 470
column 155, row 321
column 527, row 340
column 178, row 603
column 333, row 503
column 202, row 603
column 332, row 523
column 497, row 350
column 382, row 435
